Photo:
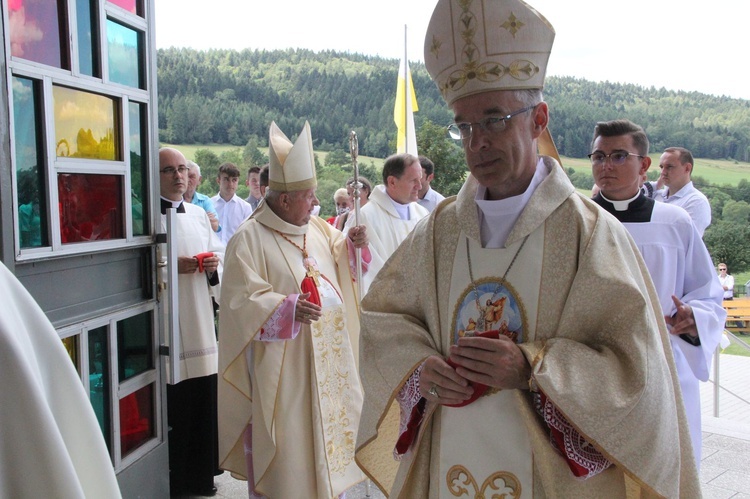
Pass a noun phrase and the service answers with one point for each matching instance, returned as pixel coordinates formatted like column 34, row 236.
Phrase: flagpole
column 407, row 96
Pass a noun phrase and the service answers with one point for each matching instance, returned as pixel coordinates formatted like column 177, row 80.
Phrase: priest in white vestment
column 191, row 400
column 392, row 210
column 50, row 441
column 532, row 359
column 289, row 395
column 677, row 260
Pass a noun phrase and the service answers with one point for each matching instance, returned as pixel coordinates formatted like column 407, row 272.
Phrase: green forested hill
column 228, row 96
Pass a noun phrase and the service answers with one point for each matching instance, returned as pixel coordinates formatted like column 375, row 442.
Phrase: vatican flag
column 403, row 112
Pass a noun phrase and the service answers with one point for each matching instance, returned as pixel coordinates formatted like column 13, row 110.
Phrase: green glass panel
column 88, row 41
column 33, row 222
column 86, row 125
column 137, row 419
column 135, row 345
column 99, row 385
column 91, row 207
column 124, row 49
column 37, row 31
column 138, row 174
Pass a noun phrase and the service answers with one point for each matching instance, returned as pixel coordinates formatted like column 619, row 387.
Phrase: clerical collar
column 622, row 205
column 402, row 209
column 639, row 210
column 168, row 203
column 497, row 217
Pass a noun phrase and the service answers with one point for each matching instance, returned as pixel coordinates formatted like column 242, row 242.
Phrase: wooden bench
column 738, row 315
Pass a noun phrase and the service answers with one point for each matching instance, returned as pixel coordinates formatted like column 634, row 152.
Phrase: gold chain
column 480, row 309
column 303, row 249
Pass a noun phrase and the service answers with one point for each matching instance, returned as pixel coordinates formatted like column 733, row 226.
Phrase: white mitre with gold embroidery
column 292, row 166
column 475, row 46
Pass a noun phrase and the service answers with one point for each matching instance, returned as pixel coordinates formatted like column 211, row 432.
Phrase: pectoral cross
column 312, row 271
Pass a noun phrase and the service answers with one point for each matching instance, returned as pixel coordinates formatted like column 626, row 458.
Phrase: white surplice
column 680, row 265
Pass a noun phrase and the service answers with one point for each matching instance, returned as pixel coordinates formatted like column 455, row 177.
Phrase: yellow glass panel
column 87, row 125
column 71, row 346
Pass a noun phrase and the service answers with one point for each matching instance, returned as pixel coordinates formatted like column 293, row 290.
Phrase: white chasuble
column 481, row 456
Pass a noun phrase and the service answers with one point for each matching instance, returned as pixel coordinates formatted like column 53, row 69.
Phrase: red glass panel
column 35, row 31
column 91, row 207
column 136, row 419
column 129, row 5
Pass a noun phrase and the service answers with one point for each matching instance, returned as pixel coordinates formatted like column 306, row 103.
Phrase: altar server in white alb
column 392, row 210
column 289, row 393
column 50, row 441
column 678, row 261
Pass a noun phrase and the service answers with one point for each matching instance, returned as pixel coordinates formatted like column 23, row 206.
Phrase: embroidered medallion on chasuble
column 493, row 292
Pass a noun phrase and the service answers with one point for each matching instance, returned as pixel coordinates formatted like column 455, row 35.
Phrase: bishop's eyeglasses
column 617, row 158
column 492, row 124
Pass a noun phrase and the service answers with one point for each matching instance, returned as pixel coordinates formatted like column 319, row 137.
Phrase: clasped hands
column 493, row 362
column 189, row 264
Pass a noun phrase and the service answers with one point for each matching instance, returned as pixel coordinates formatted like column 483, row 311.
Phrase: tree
column 252, row 155
column 727, row 242
column 338, row 158
column 736, row 212
column 450, row 165
column 209, row 163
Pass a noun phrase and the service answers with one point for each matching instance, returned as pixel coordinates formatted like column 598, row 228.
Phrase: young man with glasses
column 677, row 259
column 518, row 313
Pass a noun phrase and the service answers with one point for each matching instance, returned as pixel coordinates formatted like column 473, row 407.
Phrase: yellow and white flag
column 403, row 112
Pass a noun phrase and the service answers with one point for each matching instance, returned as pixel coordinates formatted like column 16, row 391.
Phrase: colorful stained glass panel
column 33, row 222
column 38, row 31
column 86, row 125
column 91, row 207
column 124, row 49
column 136, row 419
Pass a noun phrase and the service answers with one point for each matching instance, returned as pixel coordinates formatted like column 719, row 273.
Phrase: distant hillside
column 227, row 96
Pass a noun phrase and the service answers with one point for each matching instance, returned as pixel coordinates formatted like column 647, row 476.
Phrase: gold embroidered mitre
column 292, row 166
column 475, row 46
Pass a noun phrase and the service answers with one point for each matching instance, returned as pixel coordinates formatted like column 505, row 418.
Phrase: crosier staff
column 356, row 185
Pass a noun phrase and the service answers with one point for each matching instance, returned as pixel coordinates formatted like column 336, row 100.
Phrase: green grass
column 736, row 349
column 714, row 171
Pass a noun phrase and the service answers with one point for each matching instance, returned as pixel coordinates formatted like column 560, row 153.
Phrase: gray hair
column 193, row 165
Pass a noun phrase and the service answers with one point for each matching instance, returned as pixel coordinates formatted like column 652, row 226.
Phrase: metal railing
column 717, row 370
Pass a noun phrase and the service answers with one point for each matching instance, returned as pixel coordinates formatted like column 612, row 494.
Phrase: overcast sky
column 679, row 45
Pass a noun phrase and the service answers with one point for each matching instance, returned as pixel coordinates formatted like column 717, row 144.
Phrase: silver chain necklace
column 483, row 310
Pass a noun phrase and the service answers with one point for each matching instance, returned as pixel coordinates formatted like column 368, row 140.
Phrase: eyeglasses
column 720, row 269
column 171, row 170
column 618, row 157
column 493, row 124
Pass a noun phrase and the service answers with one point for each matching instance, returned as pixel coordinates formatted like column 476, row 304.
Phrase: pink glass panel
column 35, row 31
column 91, row 207
column 129, row 5
column 136, row 419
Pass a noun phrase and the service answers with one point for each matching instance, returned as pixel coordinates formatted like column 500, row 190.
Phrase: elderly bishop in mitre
column 289, row 393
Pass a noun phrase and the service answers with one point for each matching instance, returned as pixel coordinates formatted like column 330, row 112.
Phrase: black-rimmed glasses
column 492, row 124
column 617, row 158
